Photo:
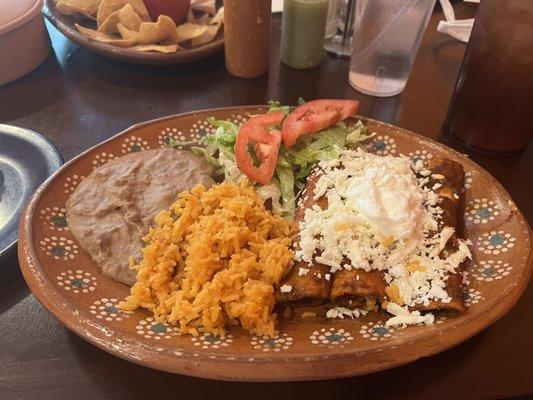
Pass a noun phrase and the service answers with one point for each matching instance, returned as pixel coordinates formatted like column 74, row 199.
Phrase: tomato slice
column 265, row 143
column 315, row 116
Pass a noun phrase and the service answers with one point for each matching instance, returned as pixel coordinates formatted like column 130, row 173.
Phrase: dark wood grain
column 78, row 99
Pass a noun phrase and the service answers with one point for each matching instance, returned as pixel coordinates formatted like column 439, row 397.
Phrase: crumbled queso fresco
column 379, row 216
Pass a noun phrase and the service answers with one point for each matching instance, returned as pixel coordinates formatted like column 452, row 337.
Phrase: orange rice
column 212, row 261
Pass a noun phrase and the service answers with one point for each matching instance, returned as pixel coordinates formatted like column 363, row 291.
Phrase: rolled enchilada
column 309, row 284
column 446, row 180
column 349, row 236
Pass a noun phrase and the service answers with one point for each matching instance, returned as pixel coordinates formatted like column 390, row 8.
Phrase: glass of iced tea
column 492, row 107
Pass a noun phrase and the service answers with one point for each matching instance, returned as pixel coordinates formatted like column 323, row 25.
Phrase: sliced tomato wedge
column 315, row 116
column 255, row 132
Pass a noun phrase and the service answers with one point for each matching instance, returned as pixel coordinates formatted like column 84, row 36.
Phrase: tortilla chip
column 206, row 6
column 151, row 32
column 107, row 7
column 218, row 18
column 212, row 30
column 103, row 37
column 188, row 31
column 172, row 48
column 207, row 36
column 88, row 8
column 110, row 24
column 129, row 18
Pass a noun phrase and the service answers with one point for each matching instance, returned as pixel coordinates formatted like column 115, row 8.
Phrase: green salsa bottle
column 302, row 32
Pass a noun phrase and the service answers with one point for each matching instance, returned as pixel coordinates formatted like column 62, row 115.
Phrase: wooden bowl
column 71, row 286
column 65, row 24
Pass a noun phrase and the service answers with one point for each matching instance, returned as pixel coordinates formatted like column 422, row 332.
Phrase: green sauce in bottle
column 302, row 36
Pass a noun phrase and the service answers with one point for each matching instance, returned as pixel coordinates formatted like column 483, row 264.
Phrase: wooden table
column 78, row 99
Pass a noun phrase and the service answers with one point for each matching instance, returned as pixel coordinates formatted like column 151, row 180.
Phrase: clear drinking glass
column 387, row 34
column 339, row 26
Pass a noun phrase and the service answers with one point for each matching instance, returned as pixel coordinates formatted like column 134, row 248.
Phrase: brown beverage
column 247, row 36
column 492, row 106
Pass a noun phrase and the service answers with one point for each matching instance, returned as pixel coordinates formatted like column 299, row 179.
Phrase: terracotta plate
column 71, row 286
column 65, row 24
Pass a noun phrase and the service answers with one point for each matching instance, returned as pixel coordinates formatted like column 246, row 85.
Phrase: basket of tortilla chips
column 142, row 31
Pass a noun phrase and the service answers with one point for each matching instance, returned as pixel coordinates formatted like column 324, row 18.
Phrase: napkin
column 458, row 28
column 277, row 6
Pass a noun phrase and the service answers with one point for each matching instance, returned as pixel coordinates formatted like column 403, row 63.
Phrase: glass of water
column 386, row 37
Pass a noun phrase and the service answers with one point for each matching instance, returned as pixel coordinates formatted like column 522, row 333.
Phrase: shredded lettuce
column 276, row 106
column 272, row 192
column 285, row 175
column 293, row 165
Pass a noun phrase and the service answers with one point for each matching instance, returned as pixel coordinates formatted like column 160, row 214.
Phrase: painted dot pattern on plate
column 275, row 344
column 420, row 155
column 330, row 337
column 55, row 218
column 59, row 247
column 133, row 144
column 202, row 128
column 108, row 310
column 490, row 270
column 102, row 158
column 481, row 211
column 108, row 332
column 495, row 242
column 149, row 328
column 238, row 119
column 376, row 331
column 472, row 296
column 467, row 180
column 168, row 134
column 77, row 281
column 211, row 341
column 382, row 145
column 72, row 182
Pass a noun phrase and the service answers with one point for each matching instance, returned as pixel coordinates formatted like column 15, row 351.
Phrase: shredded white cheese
column 285, row 289
column 342, row 312
column 382, row 215
column 402, row 316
